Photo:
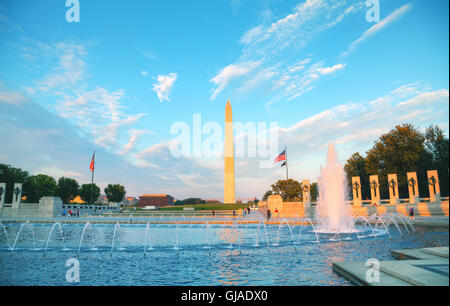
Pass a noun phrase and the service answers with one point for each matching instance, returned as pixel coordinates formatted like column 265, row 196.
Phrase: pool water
column 196, row 254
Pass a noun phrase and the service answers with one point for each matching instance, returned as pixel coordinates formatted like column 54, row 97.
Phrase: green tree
column 38, row 186
column 87, row 190
column 356, row 166
column 68, row 189
column 267, row 194
column 115, row 192
column 290, row 190
column 10, row 175
column 314, row 192
column 437, row 144
column 400, row 151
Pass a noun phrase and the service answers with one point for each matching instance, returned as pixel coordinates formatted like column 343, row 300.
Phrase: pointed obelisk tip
column 228, row 112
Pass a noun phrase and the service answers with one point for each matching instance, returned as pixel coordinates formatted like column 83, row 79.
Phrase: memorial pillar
column 356, row 187
column 433, row 185
column 306, row 193
column 374, row 189
column 413, row 187
column 393, row 189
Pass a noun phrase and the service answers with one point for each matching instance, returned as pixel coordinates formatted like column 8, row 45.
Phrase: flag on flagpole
column 280, row 157
column 283, row 164
column 92, row 163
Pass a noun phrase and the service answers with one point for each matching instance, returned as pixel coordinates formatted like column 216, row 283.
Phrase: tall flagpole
column 285, row 150
column 92, row 179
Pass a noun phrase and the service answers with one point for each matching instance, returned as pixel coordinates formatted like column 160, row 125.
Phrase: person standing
column 411, row 213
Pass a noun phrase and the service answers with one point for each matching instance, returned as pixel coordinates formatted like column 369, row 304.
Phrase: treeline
column 291, row 190
column 37, row 186
column 401, row 150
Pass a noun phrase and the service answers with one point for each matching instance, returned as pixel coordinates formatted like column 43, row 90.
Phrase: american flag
column 280, row 157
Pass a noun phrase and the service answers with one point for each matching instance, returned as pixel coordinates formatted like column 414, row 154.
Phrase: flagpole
column 285, row 150
column 92, row 178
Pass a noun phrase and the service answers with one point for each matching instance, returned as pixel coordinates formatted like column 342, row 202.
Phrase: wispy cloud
column 230, row 72
column 99, row 113
column 273, row 45
column 164, row 85
column 396, row 14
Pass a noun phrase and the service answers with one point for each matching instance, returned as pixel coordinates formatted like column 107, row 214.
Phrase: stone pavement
column 413, row 267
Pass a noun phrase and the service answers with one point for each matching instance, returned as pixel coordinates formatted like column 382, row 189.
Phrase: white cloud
column 164, row 86
column 396, row 14
column 132, row 141
column 71, row 68
column 99, row 113
column 329, row 70
column 144, row 72
column 229, row 73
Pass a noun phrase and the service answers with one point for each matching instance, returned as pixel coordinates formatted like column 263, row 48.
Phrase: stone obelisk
column 229, row 187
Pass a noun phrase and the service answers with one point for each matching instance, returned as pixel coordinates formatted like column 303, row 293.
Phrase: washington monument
column 229, row 187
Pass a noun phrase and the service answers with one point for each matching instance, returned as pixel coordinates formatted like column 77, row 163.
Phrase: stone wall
column 298, row 209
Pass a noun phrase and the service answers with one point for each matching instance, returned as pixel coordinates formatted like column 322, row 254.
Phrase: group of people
column 246, row 211
column 70, row 213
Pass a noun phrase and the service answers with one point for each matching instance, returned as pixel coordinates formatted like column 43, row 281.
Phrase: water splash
column 333, row 214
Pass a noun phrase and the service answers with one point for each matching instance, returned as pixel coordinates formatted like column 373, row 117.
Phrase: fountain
column 50, row 234
column 333, row 215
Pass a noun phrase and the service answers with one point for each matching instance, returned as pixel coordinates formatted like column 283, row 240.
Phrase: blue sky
column 121, row 77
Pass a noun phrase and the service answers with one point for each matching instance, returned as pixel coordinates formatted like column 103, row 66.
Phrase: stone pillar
column 17, row 198
column 413, row 187
column 274, row 202
column 50, row 207
column 433, row 185
column 2, row 197
column 393, row 189
column 2, row 194
column 374, row 189
column 306, row 193
column 356, row 187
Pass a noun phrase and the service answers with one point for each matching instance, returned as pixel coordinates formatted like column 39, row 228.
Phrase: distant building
column 130, row 201
column 157, row 200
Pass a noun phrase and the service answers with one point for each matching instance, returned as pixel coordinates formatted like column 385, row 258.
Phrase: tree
column 356, row 166
column 115, row 192
column 10, row 175
column 290, row 190
column 437, row 144
column 267, row 194
column 314, row 192
column 87, row 190
column 38, row 186
column 68, row 189
column 400, row 151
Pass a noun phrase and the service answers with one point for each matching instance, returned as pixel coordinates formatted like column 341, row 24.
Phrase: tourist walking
column 268, row 214
column 78, row 212
column 234, row 214
column 214, row 213
column 64, row 213
column 411, row 214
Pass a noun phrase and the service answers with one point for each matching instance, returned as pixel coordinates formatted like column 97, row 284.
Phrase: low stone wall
column 298, row 209
column 52, row 207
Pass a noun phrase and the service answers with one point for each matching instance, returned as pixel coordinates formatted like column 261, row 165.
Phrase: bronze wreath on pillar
column 306, row 188
column 16, row 192
column 392, row 184
column 374, row 185
column 432, row 181
column 412, row 182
